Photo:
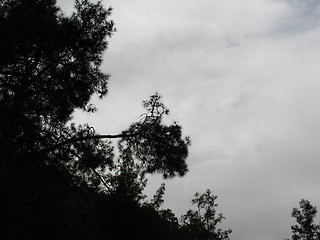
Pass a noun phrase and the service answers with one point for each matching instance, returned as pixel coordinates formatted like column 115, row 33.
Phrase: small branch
column 78, row 139
column 97, row 174
column 101, row 179
column 47, row 67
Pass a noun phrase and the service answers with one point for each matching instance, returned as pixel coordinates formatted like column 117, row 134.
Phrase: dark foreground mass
column 62, row 181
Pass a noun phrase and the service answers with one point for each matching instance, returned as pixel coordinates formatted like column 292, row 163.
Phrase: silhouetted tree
column 202, row 223
column 305, row 229
column 59, row 180
column 49, row 66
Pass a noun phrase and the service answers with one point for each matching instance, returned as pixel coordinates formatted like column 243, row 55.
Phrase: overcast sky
column 242, row 78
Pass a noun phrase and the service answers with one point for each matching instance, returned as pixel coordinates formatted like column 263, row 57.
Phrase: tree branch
column 47, row 67
column 97, row 174
column 101, row 179
column 78, row 139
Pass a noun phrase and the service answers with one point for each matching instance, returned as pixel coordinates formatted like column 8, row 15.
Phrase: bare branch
column 78, row 139
column 101, row 179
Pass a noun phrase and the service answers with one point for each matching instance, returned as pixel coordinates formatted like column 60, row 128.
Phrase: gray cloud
column 242, row 79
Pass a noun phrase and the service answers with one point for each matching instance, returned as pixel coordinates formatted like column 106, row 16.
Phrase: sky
column 242, row 78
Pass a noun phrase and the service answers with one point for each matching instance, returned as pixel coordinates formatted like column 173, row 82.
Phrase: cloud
column 242, row 79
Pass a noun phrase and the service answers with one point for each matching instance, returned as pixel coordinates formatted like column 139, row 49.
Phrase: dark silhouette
column 305, row 229
column 202, row 223
column 61, row 181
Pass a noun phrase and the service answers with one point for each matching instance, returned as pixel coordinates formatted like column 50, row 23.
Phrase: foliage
column 157, row 200
column 127, row 180
column 62, row 181
column 159, row 147
column 49, row 66
column 305, row 229
column 202, row 223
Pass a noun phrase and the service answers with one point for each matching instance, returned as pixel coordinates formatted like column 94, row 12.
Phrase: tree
column 51, row 168
column 62, row 181
column 49, row 66
column 305, row 229
column 202, row 222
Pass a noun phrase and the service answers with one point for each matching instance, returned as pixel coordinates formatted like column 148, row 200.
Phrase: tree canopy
column 62, row 181
column 50, row 66
column 305, row 229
